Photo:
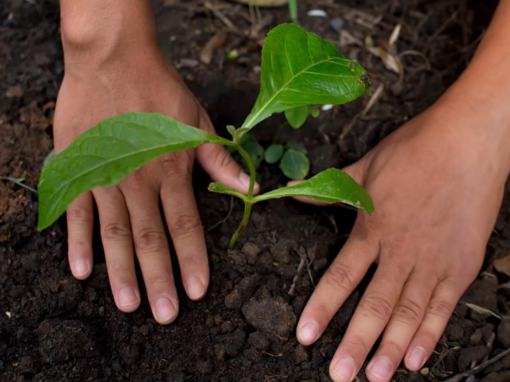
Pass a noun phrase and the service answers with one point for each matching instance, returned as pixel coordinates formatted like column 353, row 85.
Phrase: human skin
column 113, row 65
column 437, row 184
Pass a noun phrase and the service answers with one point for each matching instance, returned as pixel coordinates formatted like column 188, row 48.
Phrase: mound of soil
column 55, row 328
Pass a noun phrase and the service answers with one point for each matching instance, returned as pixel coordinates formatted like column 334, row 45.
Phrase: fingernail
column 80, row 267
column 165, row 310
column 195, row 288
column 244, row 178
column 344, row 369
column 309, row 333
column 127, row 297
column 417, row 358
column 381, row 368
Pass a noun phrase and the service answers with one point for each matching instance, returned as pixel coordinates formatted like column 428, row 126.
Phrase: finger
column 118, row 247
column 80, row 221
column 344, row 274
column 187, row 234
column 369, row 320
column 151, row 247
column 440, row 309
column 218, row 163
column 405, row 320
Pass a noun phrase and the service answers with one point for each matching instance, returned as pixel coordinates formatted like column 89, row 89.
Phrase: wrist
column 98, row 32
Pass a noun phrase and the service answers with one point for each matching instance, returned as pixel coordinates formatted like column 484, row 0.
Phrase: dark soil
column 55, row 328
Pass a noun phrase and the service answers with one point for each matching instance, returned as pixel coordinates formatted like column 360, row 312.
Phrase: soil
column 55, row 328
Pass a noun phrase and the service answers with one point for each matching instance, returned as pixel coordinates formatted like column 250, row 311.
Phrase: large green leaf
column 330, row 186
column 105, row 154
column 299, row 68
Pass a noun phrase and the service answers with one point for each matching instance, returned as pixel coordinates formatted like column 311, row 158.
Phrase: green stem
column 248, row 202
column 242, row 225
column 278, row 132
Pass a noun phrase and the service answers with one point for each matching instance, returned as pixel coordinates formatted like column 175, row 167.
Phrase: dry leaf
column 481, row 310
column 214, row 43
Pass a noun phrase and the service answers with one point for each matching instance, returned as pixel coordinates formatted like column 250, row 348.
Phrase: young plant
column 298, row 69
column 293, row 160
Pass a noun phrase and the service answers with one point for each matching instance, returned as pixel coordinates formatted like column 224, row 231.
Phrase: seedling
column 298, row 69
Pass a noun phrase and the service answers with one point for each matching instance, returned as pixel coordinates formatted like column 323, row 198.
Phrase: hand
column 129, row 213
column 437, row 191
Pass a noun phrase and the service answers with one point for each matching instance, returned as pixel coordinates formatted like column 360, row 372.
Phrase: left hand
column 437, row 190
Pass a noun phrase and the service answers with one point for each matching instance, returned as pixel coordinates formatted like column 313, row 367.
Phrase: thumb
column 355, row 171
column 219, row 164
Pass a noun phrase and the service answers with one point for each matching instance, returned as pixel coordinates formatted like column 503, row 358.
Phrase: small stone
column 234, row 342
column 503, row 332
column 476, row 337
column 337, row 24
column 227, row 327
column 301, row 354
column 27, row 366
column 237, row 257
column 251, row 251
column 259, row 341
column 502, row 268
column 320, row 264
column 273, row 316
column 425, row 371
column 472, row 355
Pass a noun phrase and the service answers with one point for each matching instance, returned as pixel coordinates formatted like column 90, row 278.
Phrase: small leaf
column 297, row 116
column 220, row 188
column 273, row 153
column 314, row 112
column 255, row 151
column 292, row 144
column 295, row 165
column 232, row 130
column 299, row 68
column 107, row 153
column 330, row 186
column 240, row 134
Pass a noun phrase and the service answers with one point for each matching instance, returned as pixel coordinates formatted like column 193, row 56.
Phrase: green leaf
column 232, row 130
column 330, row 186
column 273, row 153
column 297, row 116
column 292, row 144
column 255, row 151
column 105, row 154
column 295, row 165
column 220, row 188
column 314, row 112
column 299, row 68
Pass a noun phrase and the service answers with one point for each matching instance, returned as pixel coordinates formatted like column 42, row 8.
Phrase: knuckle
column 116, row 232
column 376, row 306
column 408, row 312
column 440, row 308
column 176, row 164
column 340, row 277
column 77, row 214
column 159, row 282
column 390, row 344
column 223, row 158
column 355, row 345
column 183, row 225
column 148, row 240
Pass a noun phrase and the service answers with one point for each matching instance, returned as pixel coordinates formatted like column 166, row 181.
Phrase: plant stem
column 248, row 202
column 242, row 225
column 278, row 132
